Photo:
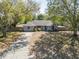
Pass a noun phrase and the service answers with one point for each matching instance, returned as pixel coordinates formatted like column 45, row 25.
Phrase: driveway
column 20, row 48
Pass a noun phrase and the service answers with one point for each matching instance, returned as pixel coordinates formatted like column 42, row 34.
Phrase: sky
column 43, row 5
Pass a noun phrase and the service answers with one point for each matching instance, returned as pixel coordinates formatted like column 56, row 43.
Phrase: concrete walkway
column 20, row 48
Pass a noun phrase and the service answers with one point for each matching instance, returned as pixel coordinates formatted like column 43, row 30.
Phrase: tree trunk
column 4, row 33
column 75, row 33
column 74, row 36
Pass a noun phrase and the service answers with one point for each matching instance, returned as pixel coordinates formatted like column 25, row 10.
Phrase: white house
column 42, row 25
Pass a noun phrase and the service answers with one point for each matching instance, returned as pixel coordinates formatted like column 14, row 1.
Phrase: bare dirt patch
column 35, row 38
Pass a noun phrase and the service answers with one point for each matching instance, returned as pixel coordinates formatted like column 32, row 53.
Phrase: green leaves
column 13, row 13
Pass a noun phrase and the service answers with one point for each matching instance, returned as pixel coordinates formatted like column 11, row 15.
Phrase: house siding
column 49, row 28
column 39, row 25
column 28, row 28
column 43, row 28
column 32, row 28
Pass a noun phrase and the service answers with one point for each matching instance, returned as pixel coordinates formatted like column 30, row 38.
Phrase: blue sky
column 43, row 5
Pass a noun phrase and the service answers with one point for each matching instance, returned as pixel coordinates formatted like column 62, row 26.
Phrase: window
column 28, row 27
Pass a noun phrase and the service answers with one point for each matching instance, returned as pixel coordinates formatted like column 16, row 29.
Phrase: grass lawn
column 6, row 42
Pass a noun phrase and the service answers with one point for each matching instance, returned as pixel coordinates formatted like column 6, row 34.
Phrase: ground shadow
column 56, row 45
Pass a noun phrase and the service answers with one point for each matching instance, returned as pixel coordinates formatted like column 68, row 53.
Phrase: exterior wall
column 49, row 28
column 32, row 28
column 43, row 28
column 28, row 28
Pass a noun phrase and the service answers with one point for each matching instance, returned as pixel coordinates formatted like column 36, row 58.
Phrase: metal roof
column 29, row 24
column 39, row 23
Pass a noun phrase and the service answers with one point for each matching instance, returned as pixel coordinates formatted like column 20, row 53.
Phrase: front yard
column 44, row 45
column 56, row 45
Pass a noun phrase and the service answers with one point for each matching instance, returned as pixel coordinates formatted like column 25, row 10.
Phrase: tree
column 68, row 9
column 28, row 10
column 40, row 17
column 11, row 12
column 6, row 17
column 55, row 11
column 65, row 8
column 18, row 11
column 31, row 10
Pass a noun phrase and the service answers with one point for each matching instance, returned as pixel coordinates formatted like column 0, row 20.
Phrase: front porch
column 39, row 28
column 43, row 28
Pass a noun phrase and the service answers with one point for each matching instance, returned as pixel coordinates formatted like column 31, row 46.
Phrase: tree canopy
column 13, row 12
column 67, row 9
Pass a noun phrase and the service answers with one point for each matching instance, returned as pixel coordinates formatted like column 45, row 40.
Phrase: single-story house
column 39, row 25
